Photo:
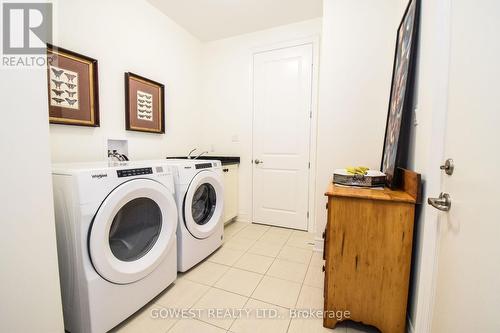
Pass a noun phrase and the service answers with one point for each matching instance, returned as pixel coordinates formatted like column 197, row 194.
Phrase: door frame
column 313, row 40
column 426, row 279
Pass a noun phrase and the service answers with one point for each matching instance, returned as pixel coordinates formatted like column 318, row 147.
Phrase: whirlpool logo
column 99, row 176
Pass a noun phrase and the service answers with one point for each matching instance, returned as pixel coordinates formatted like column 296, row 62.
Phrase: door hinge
column 307, row 214
column 310, row 114
column 309, row 165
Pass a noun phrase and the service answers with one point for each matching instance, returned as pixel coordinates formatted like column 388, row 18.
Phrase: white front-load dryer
column 116, row 226
column 200, row 200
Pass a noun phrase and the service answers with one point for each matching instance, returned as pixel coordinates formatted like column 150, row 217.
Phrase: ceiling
column 215, row 19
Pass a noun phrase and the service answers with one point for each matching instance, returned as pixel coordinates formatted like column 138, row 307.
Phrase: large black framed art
column 398, row 126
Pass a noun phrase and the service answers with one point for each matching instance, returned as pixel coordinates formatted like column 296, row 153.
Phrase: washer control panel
column 134, row 172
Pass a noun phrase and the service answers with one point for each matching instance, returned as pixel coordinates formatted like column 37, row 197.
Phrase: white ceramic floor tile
column 258, row 227
column 277, row 291
column 144, row 321
column 226, row 256
column 258, row 321
column 182, row 295
column 288, row 270
column 315, row 277
column 265, row 248
column 310, row 298
column 239, row 243
column 233, row 228
column 277, row 239
column 301, row 239
column 251, row 233
column 295, row 254
column 194, row 326
column 279, row 231
column 206, row 273
column 317, row 259
column 254, row 262
column 303, row 234
column 219, row 299
column 239, row 281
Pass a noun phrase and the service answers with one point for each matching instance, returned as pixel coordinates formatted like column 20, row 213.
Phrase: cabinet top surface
column 385, row 194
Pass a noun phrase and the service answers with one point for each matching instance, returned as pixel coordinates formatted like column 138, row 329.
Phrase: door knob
column 442, row 203
column 448, row 167
column 258, row 161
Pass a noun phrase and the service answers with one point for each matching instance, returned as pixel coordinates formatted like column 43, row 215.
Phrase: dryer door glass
column 204, row 202
column 135, row 229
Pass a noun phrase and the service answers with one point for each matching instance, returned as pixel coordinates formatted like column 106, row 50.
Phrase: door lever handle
column 257, row 161
column 443, row 202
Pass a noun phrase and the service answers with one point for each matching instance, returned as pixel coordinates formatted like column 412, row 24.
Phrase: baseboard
column 318, row 244
column 409, row 325
column 242, row 217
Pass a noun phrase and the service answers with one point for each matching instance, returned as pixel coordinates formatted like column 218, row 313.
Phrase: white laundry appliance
column 199, row 193
column 116, row 225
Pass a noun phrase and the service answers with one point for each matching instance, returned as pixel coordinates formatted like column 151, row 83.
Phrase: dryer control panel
column 203, row 165
column 134, row 172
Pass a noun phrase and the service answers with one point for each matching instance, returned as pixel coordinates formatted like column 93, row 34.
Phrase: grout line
column 204, row 322
column 248, row 298
column 262, row 277
column 209, row 287
column 268, row 276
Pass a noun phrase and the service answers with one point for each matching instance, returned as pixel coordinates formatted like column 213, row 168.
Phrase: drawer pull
column 225, row 170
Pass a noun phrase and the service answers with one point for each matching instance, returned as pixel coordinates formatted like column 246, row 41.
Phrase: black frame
column 129, row 75
column 405, row 127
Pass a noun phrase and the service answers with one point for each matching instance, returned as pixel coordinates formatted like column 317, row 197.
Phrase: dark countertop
column 225, row 160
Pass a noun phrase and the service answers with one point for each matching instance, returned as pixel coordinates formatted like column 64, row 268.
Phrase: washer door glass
column 204, row 203
column 135, row 229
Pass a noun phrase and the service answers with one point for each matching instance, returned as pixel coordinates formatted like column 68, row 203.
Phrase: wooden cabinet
column 368, row 246
column 230, row 173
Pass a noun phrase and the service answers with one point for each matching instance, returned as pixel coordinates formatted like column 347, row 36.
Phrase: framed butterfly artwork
column 144, row 104
column 73, row 92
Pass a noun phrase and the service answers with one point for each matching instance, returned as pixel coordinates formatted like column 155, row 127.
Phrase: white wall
column 356, row 65
column 29, row 278
column 129, row 36
column 226, row 96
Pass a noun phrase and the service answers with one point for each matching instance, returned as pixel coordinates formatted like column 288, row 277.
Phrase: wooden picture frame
column 144, row 104
column 398, row 124
column 73, row 89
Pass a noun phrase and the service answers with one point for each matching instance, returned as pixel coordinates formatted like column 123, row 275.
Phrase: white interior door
column 468, row 272
column 281, row 136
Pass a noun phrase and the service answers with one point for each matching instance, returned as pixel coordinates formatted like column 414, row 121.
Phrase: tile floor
column 258, row 267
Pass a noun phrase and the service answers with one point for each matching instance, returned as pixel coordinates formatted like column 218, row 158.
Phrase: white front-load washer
column 116, row 225
column 199, row 193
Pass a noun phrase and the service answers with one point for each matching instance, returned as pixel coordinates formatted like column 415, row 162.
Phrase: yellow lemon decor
column 359, row 170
